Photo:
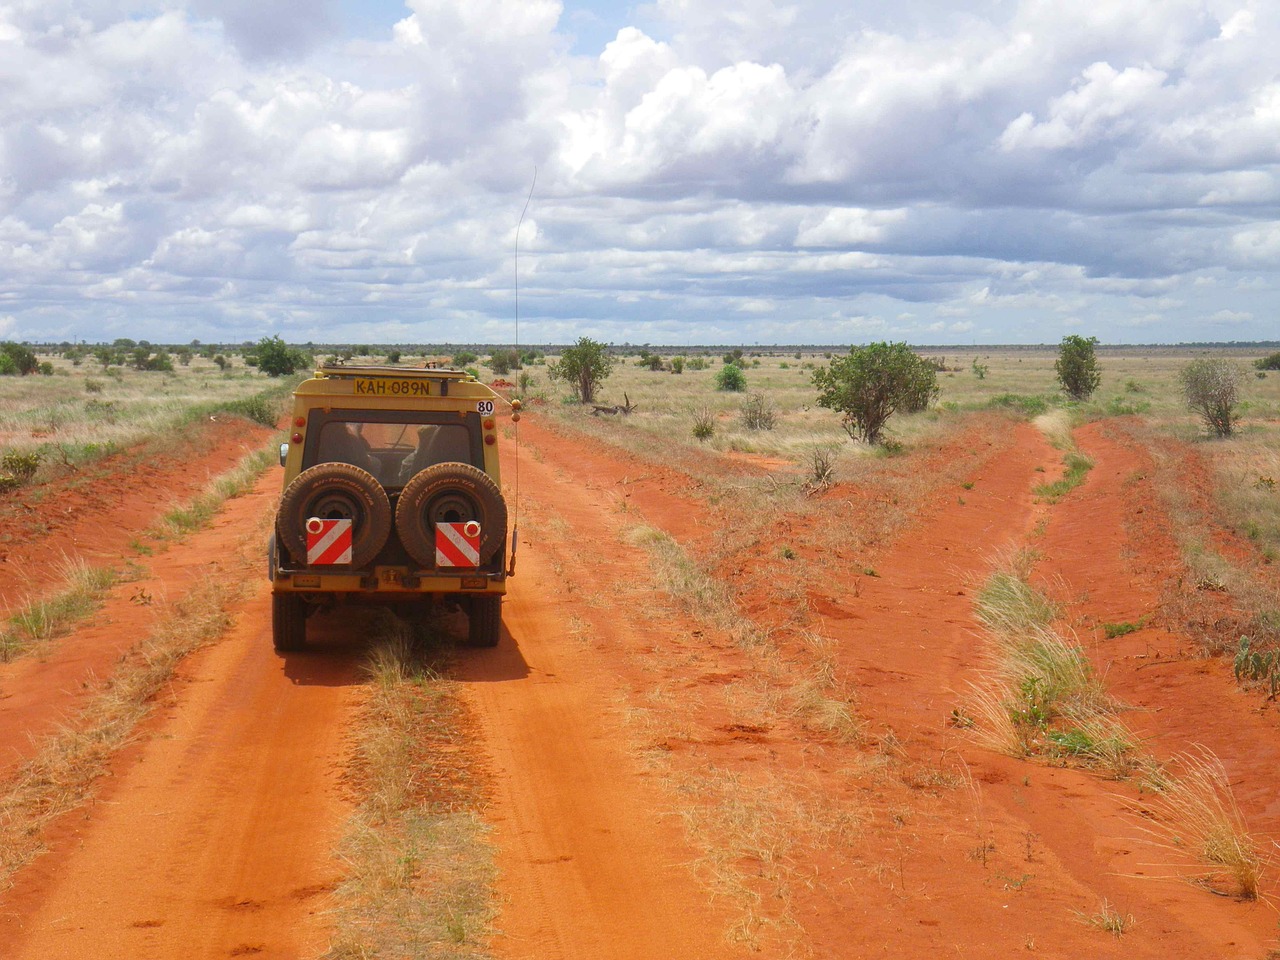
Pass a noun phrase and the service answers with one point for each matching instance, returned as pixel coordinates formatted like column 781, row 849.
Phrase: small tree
column 873, row 382
column 1077, row 366
column 583, row 367
column 276, row 358
column 1210, row 385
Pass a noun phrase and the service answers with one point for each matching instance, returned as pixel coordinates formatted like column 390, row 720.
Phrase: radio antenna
column 515, row 414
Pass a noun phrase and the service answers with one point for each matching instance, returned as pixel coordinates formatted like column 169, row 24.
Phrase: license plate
column 366, row 387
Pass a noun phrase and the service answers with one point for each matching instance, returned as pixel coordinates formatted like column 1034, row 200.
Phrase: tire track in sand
column 591, row 866
column 213, row 835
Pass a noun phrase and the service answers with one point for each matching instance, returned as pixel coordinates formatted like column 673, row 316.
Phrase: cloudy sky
column 766, row 171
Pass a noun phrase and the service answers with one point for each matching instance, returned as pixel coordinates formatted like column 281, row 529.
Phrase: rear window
column 392, row 452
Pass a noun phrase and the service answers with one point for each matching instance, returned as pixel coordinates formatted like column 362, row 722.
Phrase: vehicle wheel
column 288, row 622
column 335, row 491
column 450, row 493
column 485, row 624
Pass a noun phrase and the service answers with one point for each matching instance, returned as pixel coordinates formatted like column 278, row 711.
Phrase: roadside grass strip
column 419, row 863
column 746, row 832
column 1039, row 698
column 1056, row 427
column 84, row 588
column 60, row 777
column 236, row 482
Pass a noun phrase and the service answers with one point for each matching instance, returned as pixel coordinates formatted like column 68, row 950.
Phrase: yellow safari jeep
column 391, row 495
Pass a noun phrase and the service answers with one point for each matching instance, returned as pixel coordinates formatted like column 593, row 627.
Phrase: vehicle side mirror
column 284, row 452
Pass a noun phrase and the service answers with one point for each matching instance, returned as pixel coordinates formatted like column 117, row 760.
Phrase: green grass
column 1077, row 468
column 1009, row 605
column 1123, row 628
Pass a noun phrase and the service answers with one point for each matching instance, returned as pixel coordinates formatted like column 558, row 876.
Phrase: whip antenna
column 515, row 412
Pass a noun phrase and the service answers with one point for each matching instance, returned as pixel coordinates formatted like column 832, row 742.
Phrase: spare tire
column 450, row 492
column 335, row 491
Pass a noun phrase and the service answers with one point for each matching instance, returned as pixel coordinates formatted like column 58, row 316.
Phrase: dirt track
column 605, row 707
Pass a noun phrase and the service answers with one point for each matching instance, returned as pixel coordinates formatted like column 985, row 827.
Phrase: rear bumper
column 399, row 582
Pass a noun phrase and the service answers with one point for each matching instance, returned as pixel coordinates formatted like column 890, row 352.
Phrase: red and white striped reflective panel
column 458, row 544
column 328, row 541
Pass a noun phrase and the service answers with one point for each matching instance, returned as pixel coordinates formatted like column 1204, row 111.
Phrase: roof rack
column 341, row 370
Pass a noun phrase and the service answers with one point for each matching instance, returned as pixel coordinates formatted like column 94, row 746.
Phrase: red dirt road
column 214, row 835
column 1024, row 855
column 657, row 786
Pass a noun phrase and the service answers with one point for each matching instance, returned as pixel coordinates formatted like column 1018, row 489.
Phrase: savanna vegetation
column 822, row 474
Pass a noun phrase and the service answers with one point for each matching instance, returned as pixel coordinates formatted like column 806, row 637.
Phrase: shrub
column 393, row 357
column 1271, row 362
column 677, row 364
column 704, row 424
column 758, row 413
column 651, row 360
column 526, row 381
column 1210, row 385
column 257, row 408
column 1077, row 366
column 463, row 358
column 46, row 369
column 730, row 378
column 20, row 466
column 503, row 362
column 7, row 367
column 822, row 467
column 93, row 386
column 160, row 362
column 980, row 370
column 733, row 356
column 221, row 361
column 697, row 363
column 22, row 360
column 872, row 383
column 584, row 367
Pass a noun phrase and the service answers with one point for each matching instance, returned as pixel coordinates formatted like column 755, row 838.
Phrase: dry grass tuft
column 1109, row 919
column 821, row 702
column 1195, row 814
column 1039, row 694
column 46, row 617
